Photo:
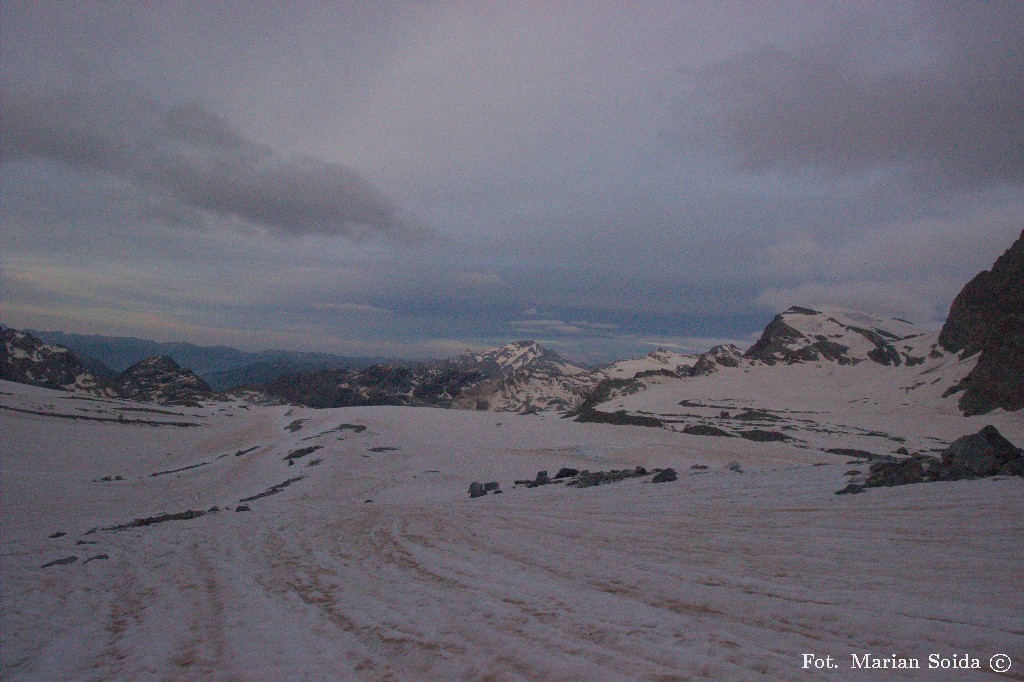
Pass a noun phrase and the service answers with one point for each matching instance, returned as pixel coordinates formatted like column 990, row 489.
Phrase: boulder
column 664, row 476
column 476, row 490
column 903, row 472
column 566, row 472
column 981, row 454
column 706, row 430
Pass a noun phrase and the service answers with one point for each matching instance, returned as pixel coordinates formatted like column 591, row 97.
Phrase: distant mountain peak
column 160, row 379
column 835, row 334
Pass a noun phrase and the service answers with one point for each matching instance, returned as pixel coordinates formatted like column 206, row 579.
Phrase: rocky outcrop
column 987, row 317
column 27, row 360
column 982, row 454
column 159, row 379
column 979, row 455
column 725, row 355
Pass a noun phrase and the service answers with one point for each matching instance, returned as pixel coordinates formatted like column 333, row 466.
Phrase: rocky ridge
column 27, row 360
column 987, row 318
column 159, row 379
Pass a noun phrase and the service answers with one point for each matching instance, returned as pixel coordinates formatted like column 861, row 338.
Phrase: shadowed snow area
column 357, row 553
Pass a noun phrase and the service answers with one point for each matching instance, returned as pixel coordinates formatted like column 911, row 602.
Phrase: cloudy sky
column 415, row 179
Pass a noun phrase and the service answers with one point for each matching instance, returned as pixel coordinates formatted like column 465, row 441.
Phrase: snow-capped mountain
column 843, row 336
column 517, row 377
column 27, row 360
column 518, row 356
column 522, row 376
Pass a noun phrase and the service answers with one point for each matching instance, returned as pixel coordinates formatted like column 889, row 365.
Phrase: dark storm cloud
column 187, row 158
column 942, row 96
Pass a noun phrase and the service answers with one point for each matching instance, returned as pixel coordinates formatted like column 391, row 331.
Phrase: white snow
column 716, row 576
column 655, row 361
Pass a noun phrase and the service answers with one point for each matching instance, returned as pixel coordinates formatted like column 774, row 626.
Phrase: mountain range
column 978, row 356
column 222, row 367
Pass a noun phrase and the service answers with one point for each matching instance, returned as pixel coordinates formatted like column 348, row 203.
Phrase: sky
column 418, row 179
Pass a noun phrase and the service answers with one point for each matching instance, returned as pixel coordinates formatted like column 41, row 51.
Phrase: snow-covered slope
column 661, row 361
column 229, row 541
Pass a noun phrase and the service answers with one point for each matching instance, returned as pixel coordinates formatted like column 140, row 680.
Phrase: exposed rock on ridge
column 987, row 316
column 27, row 360
column 159, row 379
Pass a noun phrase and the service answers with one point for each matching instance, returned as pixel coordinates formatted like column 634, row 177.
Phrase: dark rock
column 976, row 456
column 60, row 562
column 853, row 472
column 851, row 489
column 566, row 472
column 58, row 534
column 159, row 518
column 86, row 542
column 301, row 452
column 618, row 418
column 757, row 415
column 1015, row 467
column 98, row 557
column 854, row 452
column 665, row 476
column 699, row 467
column 493, row 485
column 367, row 501
column 213, row 509
column 499, row 491
column 760, row 436
column 242, row 508
column 887, row 474
column 705, row 430
column 987, row 316
column 902, row 451
column 27, row 360
column 734, row 466
column 476, row 490
column 774, row 340
column 639, row 471
column 159, row 379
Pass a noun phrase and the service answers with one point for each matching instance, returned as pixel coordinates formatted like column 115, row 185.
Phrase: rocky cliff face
column 987, row 317
column 27, row 360
column 159, row 379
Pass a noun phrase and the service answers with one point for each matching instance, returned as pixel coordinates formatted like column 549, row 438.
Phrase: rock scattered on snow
column 665, row 476
column 979, row 455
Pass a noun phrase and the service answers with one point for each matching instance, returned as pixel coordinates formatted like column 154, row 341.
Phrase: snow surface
column 716, row 576
column 654, row 361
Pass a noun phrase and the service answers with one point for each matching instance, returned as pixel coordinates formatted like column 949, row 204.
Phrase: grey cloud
column 189, row 158
column 947, row 108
